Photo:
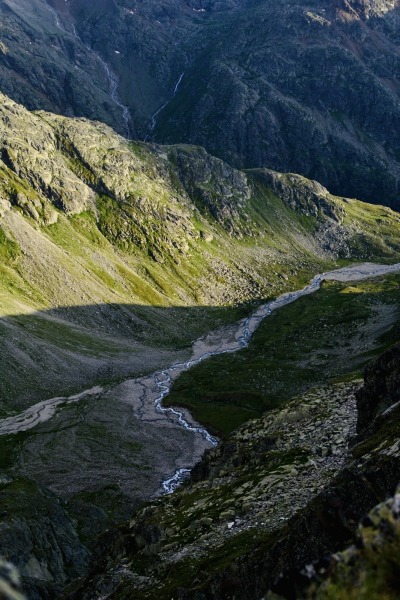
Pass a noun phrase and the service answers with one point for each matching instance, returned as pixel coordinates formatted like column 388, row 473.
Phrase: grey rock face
column 39, row 538
column 218, row 189
column 303, row 195
column 299, row 88
column 285, row 86
column 309, row 89
column 45, row 66
column 381, row 390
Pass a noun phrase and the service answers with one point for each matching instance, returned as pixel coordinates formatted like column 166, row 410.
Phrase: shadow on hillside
column 67, row 349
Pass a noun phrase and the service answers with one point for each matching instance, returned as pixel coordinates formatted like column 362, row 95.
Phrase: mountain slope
column 88, row 219
column 115, row 256
column 309, row 88
column 44, row 65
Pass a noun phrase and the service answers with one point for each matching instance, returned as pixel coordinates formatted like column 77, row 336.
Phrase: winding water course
column 146, row 394
column 244, row 331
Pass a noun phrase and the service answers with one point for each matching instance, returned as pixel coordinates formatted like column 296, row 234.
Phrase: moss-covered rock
column 381, row 390
column 369, row 569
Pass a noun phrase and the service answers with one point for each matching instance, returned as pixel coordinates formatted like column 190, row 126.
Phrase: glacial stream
column 146, row 394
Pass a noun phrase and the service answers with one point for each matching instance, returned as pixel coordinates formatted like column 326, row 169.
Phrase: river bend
column 146, row 394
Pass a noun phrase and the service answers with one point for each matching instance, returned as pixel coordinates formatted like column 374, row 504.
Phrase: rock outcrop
column 213, row 185
column 39, row 538
column 370, row 567
column 381, row 390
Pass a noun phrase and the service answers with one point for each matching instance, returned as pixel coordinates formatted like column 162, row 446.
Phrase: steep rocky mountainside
column 304, row 87
column 278, row 494
column 310, row 88
column 42, row 65
column 369, row 567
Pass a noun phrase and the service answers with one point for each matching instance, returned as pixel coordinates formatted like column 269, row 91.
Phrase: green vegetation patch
column 9, row 249
column 327, row 335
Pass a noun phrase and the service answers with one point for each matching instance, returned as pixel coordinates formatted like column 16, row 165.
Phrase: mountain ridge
column 326, row 107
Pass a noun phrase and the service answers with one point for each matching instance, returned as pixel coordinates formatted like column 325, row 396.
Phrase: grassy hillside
column 96, row 231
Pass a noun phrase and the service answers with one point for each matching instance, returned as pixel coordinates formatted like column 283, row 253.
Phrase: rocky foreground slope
column 279, row 494
column 369, row 567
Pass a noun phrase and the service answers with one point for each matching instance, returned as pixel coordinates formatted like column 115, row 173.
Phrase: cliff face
column 381, row 391
column 296, row 87
column 39, row 538
column 310, row 89
column 369, row 567
column 45, row 66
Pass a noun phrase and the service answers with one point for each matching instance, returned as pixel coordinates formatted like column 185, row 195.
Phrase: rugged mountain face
column 44, row 65
column 308, row 88
column 370, row 564
column 299, row 87
column 381, row 390
column 39, row 537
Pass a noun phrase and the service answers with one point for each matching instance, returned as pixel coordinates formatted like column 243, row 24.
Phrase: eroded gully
column 112, row 78
column 146, row 394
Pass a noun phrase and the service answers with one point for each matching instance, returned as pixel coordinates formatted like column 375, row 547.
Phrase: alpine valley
column 199, row 299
